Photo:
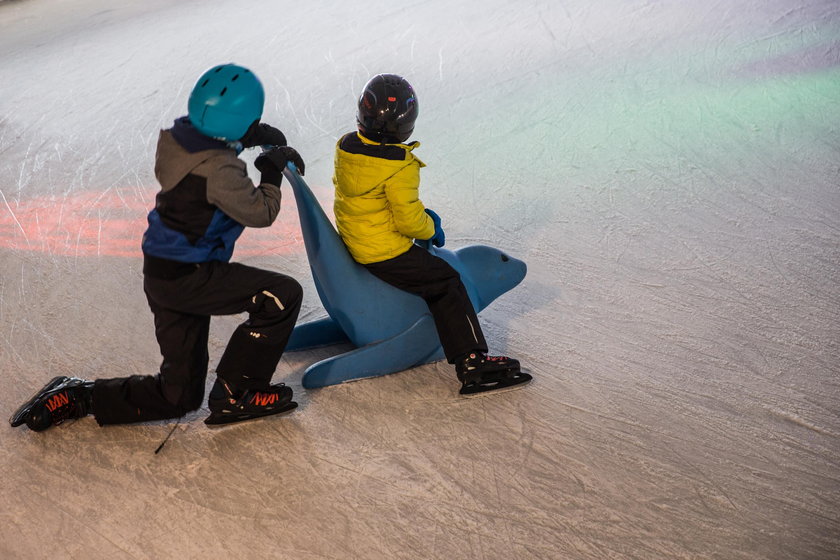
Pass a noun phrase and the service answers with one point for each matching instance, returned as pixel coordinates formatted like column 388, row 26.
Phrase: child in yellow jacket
column 379, row 215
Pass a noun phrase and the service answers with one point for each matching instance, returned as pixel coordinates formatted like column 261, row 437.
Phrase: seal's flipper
column 315, row 334
column 405, row 350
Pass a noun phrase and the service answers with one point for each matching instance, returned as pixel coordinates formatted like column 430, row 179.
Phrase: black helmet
column 387, row 109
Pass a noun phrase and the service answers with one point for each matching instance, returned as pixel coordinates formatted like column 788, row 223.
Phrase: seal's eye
column 505, row 258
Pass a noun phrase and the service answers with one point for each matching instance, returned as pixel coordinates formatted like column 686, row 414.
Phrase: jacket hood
column 362, row 172
column 174, row 160
column 191, row 139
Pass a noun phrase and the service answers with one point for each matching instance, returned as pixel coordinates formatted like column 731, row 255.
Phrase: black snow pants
column 421, row 273
column 182, row 298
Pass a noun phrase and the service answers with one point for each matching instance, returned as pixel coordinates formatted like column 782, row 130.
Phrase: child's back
column 377, row 205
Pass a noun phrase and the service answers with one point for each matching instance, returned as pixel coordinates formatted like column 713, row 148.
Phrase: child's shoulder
column 353, row 143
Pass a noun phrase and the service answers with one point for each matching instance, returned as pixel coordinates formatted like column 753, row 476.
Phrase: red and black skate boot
column 479, row 373
column 61, row 399
column 228, row 405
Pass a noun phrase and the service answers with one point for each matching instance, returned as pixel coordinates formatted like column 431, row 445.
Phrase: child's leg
column 272, row 301
column 419, row 272
column 182, row 309
column 178, row 389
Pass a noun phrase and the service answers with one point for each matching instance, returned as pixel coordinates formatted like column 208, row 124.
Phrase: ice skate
column 61, row 399
column 479, row 373
column 228, row 406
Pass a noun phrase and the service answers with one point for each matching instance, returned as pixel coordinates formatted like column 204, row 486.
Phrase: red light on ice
column 112, row 223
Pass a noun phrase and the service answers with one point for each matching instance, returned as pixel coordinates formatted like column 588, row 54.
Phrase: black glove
column 271, row 163
column 261, row 134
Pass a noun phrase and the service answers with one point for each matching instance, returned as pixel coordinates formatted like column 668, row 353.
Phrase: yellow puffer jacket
column 377, row 206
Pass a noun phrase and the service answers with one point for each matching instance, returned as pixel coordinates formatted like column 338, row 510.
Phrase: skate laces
column 497, row 358
column 61, row 407
column 479, row 357
column 253, row 397
column 264, row 399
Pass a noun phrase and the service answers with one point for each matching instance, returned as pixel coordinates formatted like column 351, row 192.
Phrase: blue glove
column 439, row 238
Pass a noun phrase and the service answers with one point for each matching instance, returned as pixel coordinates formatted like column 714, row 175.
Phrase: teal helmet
column 225, row 101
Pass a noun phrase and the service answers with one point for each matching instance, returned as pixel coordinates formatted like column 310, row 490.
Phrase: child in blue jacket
column 205, row 202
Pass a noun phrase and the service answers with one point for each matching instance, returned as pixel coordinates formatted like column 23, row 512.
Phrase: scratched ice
column 669, row 172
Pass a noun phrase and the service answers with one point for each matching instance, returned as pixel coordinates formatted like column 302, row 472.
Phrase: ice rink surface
column 670, row 171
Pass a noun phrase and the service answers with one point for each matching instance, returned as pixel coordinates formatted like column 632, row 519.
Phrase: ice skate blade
column 19, row 417
column 224, row 419
column 501, row 386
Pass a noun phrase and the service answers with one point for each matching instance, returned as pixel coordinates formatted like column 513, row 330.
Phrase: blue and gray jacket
column 205, row 202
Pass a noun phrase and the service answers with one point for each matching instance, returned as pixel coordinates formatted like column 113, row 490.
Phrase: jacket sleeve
column 232, row 191
column 403, row 193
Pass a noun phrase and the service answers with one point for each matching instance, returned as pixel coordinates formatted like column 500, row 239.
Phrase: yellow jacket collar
column 410, row 146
